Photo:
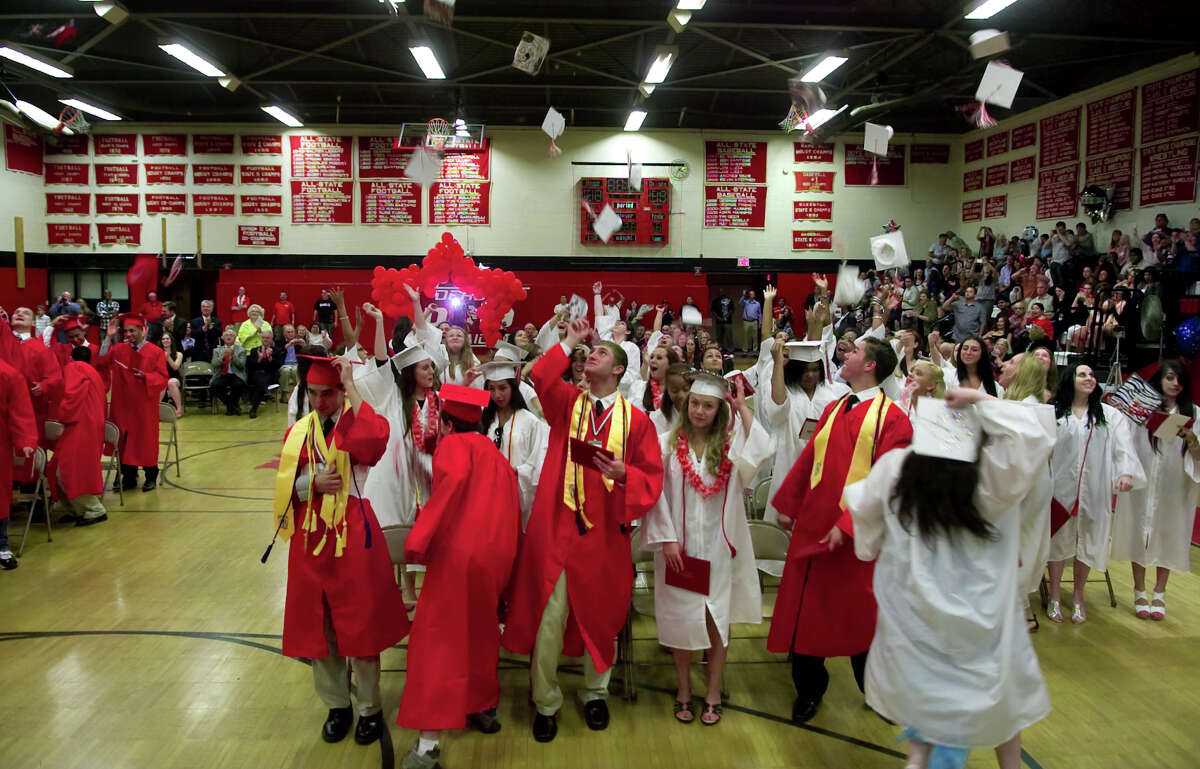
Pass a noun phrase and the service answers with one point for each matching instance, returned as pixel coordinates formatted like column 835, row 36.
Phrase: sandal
column 1141, row 604
column 684, row 712
column 1031, row 623
column 1054, row 611
column 1158, row 611
column 712, row 714
column 1078, row 614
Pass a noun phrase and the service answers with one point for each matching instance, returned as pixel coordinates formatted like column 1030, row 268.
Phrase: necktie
column 599, row 409
column 851, row 402
column 327, row 427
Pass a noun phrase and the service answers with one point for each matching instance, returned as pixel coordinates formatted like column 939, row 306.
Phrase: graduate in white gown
column 678, row 381
column 1153, row 526
column 647, row 393
column 971, row 367
column 517, row 432
column 461, row 366
column 701, row 514
column 515, row 354
column 951, row 659
column 1093, row 458
column 611, row 328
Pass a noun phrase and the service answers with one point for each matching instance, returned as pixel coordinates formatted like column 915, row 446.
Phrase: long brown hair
column 714, row 442
column 648, row 396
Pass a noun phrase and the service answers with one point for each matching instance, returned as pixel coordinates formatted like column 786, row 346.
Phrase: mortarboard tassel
column 875, row 170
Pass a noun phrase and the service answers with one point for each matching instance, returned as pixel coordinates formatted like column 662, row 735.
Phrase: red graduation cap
column 70, row 323
column 321, row 372
column 465, row 403
column 132, row 319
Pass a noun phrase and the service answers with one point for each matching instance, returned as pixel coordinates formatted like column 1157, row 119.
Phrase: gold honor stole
column 573, row 491
column 864, row 446
column 307, row 432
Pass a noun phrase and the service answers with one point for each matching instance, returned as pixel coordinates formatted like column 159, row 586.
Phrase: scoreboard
column 645, row 214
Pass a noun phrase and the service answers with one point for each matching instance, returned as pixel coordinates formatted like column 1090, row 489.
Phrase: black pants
column 228, row 389
column 129, row 475
column 259, row 382
column 812, row 679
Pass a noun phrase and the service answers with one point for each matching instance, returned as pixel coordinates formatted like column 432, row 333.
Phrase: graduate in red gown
column 826, row 604
column 466, row 536
column 43, row 374
column 74, row 471
column 18, row 437
column 138, row 371
column 76, row 331
column 573, row 580
column 343, row 605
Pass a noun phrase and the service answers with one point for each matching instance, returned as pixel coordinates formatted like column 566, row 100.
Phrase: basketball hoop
column 71, row 121
column 437, row 131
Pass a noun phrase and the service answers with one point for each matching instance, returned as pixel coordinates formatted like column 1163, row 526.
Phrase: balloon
column 1187, row 335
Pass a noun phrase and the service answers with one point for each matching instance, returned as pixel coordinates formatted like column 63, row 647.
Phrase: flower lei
column 656, row 393
column 423, row 431
column 684, row 455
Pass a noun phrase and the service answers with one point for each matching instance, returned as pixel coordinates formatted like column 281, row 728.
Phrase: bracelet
column 344, row 317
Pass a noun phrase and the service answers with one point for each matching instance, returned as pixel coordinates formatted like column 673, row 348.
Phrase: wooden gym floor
column 152, row 640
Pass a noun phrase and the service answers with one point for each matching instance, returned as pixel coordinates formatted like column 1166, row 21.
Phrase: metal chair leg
column 1112, row 597
column 175, row 440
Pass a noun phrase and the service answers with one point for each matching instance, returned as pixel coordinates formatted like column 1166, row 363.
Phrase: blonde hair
column 936, row 374
column 465, row 358
column 254, row 307
column 1029, row 379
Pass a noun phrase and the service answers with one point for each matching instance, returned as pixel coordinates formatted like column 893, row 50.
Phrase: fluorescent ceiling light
column 282, row 115
column 821, row 117
column 823, row 68
column 229, row 83
column 646, row 89
column 690, row 5
column 190, row 58
column 634, row 122
column 91, row 109
column 40, row 116
column 664, row 57
column 989, row 8
column 678, row 19
column 45, row 66
column 112, row 12
column 427, row 62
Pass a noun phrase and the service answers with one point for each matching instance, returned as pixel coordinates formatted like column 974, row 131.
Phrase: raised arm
column 766, row 328
column 349, row 332
column 373, row 312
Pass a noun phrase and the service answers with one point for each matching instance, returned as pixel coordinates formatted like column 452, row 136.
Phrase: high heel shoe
column 1159, row 612
column 1141, row 604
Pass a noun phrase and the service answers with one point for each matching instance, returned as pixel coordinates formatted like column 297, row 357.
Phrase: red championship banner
column 212, row 173
column 258, row 235
column 1060, row 138
column 67, row 173
column 1022, row 169
column 69, row 203
column 61, row 144
column 861, row 166
column 254, row 144
column 735, row 206
column 212, row 144
column 117, row 205
column 1023, row 136
column 929, row 154
column 996, row 175
column 166, row 173
column 322, row 202
column 212, row 204
column 22, row 150
column 814, row 181
column 1057, row 192
column 1171, row 106
column 116, row 173
column 164, row 144
column 67, row 234
column 1115, row 169
column 997, row 144
column 1169, row 172
column 973, row 151
column 812, row 210
column 995, row 207
column 1110, row 123
column 265, row 205
column 973, row 180
column 389, row 202
column 114, row 144
column 123, row 234
column 166, row 203
column 460, row 203
column 321, row 157
column 260, row 174
column 812, row 240
column 467, row 165
column 378, row 158
column 803, row 152
column 732, row 162
column 972, row 210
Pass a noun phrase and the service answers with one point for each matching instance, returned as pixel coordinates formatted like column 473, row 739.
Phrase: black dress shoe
column 254, row 412
column 149, row 485
column 485, row 721
column 91, row 521
column 544, row 727
column 595, row 713
column 804, row 710
column 369, row 728
column 337, row 726
column 8, row 562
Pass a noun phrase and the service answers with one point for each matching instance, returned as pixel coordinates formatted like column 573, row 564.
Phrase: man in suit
column 206, row 331
column 172, row 324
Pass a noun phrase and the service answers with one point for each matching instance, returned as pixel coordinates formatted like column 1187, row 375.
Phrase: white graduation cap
column 409, row 356
column 501, row 370
column 806, row 351
column 999, row 84
column 635, row 176
column 988, row 42
column 508, row 352
column 946, row 433
column 849, row 289
column 553, row 124
column 606, row 223
column 424, row 166
column 710, row 385
column 691, row 316
column 577, row 307
column 889, row 251
column 877, row 138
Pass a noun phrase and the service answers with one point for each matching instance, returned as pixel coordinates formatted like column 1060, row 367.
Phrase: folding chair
column 197, row 378
column 1044, row 589
column 625, row 651
column 166, row 415
column 40, row 492
column 757, row 506
column 111, row 458
column 395, row 537
column 54, row 429
column 770, row 545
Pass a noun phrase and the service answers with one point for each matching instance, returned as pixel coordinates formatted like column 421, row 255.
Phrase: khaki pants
column 333, row 681
column 749, row 340
column 85, row 505
column 288, row 377
column 543, row 667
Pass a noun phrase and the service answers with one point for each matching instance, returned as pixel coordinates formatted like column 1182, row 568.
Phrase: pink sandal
column 1054, row 611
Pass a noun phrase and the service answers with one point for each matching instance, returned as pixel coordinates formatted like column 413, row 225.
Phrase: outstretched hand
column 577, row 331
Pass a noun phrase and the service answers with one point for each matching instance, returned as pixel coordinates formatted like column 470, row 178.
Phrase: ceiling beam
column 322, row 48
column 111, row 60
column 93, row 40
column 557, row 56
column 747, row 51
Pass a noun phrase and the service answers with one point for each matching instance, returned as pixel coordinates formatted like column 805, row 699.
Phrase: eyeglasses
column 498, row 438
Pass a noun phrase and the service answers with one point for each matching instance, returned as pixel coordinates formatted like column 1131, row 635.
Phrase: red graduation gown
column 826, row 604
column 365, row 603
column 134, row 406
column 77, row 453
column 41, row 368
column 466, row 535
column 599, row 562
column 17, row 430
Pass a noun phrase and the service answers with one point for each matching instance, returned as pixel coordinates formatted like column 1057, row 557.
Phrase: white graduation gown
column 1035, row 512
column 785, row 422
column 734, row 594
column 523, row 442
column 950, row 377
column 1109, row 456
column 1153, row 526
column 951, row 657
column 633, row 371
column 663, row 425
